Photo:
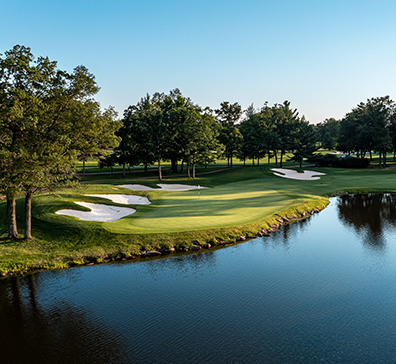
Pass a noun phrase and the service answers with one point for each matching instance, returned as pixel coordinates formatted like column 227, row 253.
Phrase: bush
column 351, row 162
column 327, row 160
column 331, row 160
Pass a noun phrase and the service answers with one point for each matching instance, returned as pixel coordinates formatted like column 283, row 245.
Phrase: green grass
column 240, row 201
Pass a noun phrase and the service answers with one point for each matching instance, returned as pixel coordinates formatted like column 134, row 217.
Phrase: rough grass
column 240, row 201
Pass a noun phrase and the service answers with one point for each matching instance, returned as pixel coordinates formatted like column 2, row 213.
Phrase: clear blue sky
column 323, row 56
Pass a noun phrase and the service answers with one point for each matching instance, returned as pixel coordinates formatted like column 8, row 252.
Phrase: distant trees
column 171, row 127
column 273, row 131
column 228, row 117
column 304, row 141
column 168, row 127
column 47, row 118
column 327, row 132
column 369, row 127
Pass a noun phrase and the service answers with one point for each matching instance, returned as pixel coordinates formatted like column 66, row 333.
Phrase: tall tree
column 367, row 127
column 327, row 132
column 203, row 146
column 253, row 130
column 228, row 117
column 285, row 120
column 43, row 122
column 304, row 141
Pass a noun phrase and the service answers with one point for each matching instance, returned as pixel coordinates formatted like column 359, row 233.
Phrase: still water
column 320, row 290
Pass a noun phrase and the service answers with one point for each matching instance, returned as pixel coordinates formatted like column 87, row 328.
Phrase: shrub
column 331, row 160
column 351, row 162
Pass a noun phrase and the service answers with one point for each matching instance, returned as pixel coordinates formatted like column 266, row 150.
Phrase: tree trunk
column 84, row 167
column 188, row 169
column 231, row 161
column 394, row 155
column 371, row 156
column 123, row 169
column 28, row 215
column 276, row 158
column 281, row 159
column 384, row 159
column 145, row 168
column 174, row 165
column 379, row 160
column 258, row 162
column 269, row 159
column 228, row 162
column 11, row 218
column 193, row 166
column 182, row 166
column 253, row 161
column 244, row 161
column 159, row 169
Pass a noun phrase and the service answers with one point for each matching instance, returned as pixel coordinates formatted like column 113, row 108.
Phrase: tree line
column 369, row 127
column 171, row 127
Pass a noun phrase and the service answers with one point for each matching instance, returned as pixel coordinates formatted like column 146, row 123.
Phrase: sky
column 325, row 57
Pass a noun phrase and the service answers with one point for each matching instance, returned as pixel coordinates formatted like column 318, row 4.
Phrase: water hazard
column 320, row 290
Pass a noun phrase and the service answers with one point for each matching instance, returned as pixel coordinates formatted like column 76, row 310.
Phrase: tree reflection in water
column 368, row 215
column 57, row 333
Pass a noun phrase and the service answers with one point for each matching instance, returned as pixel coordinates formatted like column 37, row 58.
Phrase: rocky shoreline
column 195, row 245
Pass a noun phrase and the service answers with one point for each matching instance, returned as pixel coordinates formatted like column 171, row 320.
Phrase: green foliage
column 331, row 160
column 328, row 133
column 351, row 162
column 304, row 141
column 168, row 127
column 367, row 127
column 228, row 116
column 47, row 117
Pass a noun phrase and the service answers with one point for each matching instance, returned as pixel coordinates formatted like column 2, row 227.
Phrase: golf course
column 237, row 201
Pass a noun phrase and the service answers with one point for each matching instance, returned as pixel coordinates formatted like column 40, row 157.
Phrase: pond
column 319, row 290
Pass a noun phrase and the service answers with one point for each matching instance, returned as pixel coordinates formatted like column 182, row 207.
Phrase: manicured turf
column 240, row 200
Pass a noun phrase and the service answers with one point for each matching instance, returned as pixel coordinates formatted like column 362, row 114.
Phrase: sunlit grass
column 240, row 201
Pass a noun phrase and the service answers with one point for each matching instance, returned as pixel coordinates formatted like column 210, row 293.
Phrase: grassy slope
column 239, row 201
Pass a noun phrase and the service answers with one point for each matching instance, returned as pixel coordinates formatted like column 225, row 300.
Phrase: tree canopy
column 47, row 117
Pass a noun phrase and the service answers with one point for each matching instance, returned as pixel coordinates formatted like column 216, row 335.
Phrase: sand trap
column 290, row 173
column 98, row 212
column 163, row 187
column 137, row 187
column 125, row 199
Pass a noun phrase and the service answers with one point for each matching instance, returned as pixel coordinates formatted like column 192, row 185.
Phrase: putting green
column 227, row 205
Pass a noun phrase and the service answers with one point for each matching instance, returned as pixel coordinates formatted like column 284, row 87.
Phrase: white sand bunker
column 163, row 187
column 125, row 199
column 290, row 173
column 98, row 212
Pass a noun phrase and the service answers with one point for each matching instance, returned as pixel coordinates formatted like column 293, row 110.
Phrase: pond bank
column 180, row 243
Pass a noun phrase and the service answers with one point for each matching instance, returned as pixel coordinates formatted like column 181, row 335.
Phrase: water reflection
column 302, row 295
column 54, row 333
column 368, row 215
column 284, row 237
